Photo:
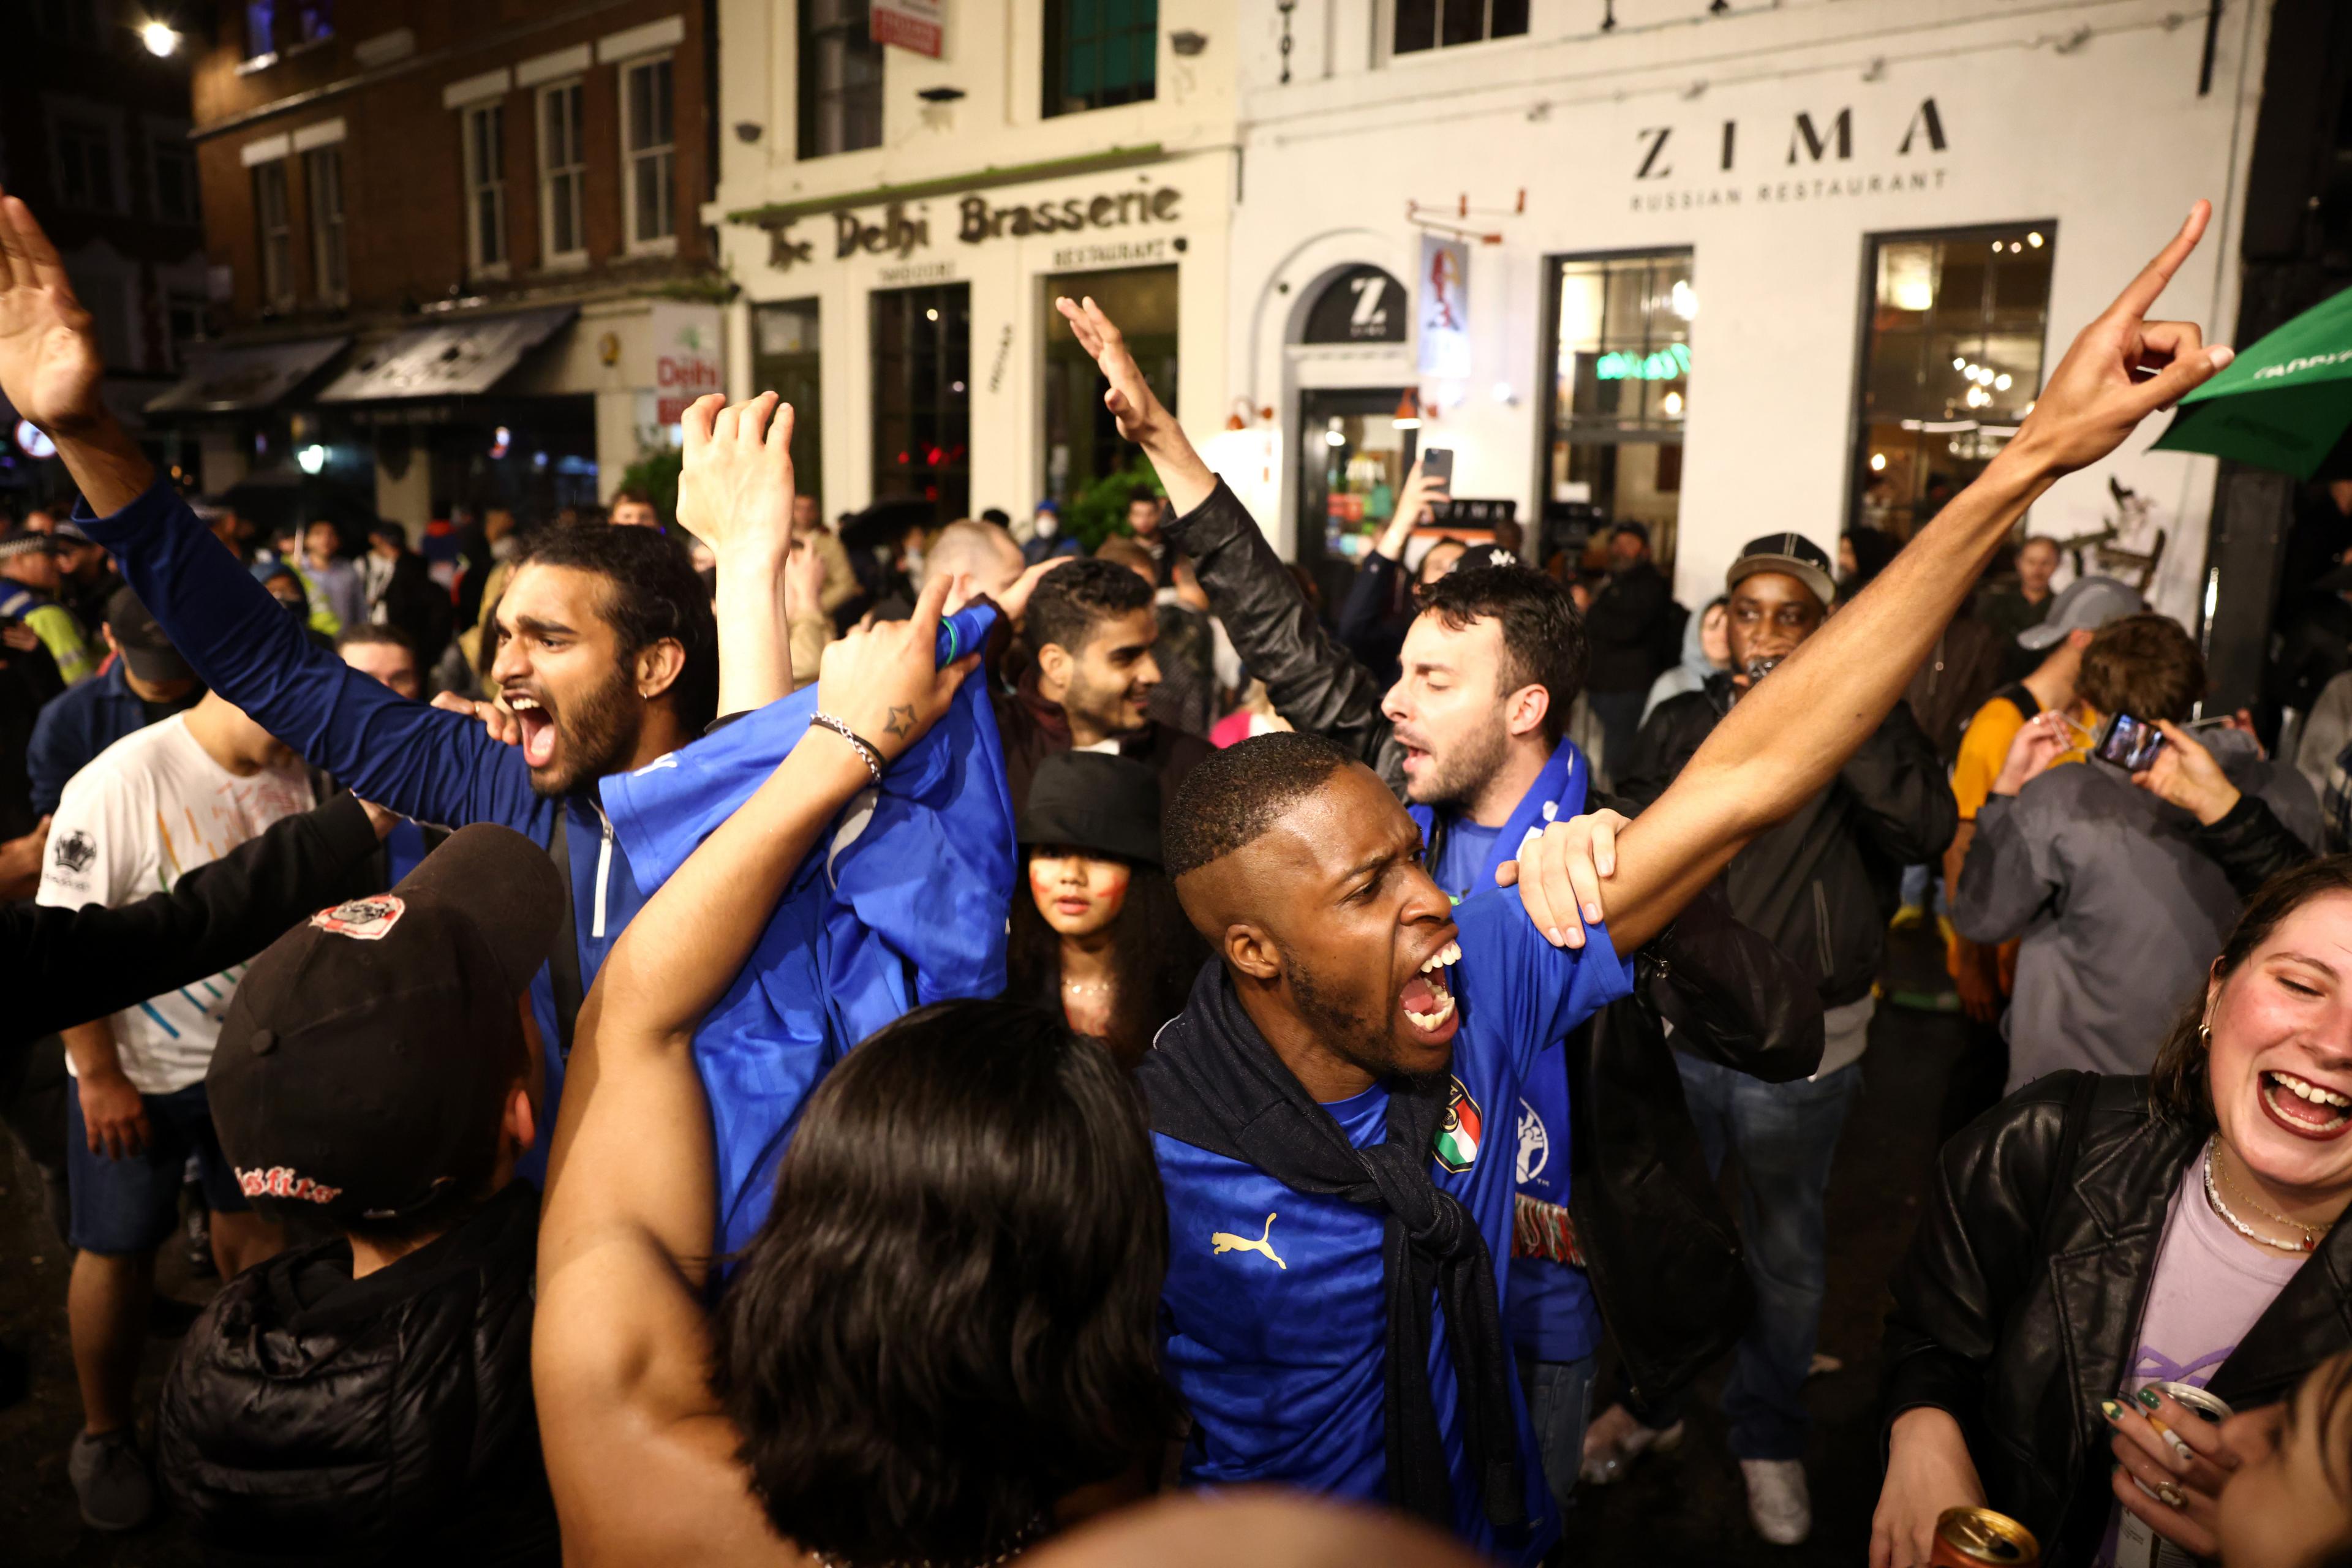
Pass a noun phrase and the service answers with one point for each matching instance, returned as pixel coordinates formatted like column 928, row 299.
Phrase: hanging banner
column 1444, row 306
column 909, row 23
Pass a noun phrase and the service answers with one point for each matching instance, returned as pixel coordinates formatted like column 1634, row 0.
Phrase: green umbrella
column 2283, row 404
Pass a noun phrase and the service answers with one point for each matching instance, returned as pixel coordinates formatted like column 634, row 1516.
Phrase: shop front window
column 1083, row 448
column 1099, row 53
column 1951, row 363
column 840, row 79
column 1442, row 24
column 785, row 360
column 922, row 398
column 1617, row 396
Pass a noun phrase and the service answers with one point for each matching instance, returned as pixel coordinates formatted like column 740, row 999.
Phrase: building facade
column 1726, row 269
column 458, row 244
column 93, row 136
column 902, row 215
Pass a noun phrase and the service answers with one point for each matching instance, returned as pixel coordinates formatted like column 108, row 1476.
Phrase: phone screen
column 1437, row 463
column 2130, row 744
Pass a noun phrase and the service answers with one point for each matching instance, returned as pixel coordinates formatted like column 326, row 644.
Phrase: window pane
column 1462, row 22
column 663, row 135
column 1511, row 20
column 649, row 198
column 1416, row 25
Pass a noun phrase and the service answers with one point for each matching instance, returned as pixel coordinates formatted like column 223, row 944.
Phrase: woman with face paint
column 2102, row 1254
column 1098, row 935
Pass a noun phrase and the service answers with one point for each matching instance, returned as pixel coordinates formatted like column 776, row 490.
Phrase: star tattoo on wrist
column 901, row 721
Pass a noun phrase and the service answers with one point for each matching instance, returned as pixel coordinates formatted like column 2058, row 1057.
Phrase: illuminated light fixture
column 1669, row 363
column 1959, row 365
column 1672, row 403
column 1682, row 300
column 1503, row 393
column 1995, row 247
column 931, row 314
column 163, row 40
column 33, row 442
column 311, row 459
column 1334, row 438
column 1408, row 411
column 501, row 439
column 2001, row 382
column 1878, row 462
column 2035, row 239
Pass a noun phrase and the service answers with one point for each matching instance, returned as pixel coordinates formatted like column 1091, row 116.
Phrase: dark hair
column 1071, row 601
column 997, row 515
column 2328, row 1391
column 361, row 634
column 1543, row 636
column 950, row 1318
column 1138, row 495
column 1234, row 795
column 2176, row 1084
column 631, row 494
column 1640, row 531
column 2144, row 665
column 389, row 528
column 1155, row 954
column 654, row 594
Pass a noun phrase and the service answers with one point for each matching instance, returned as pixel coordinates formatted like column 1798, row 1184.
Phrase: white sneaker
column 1778, row 1502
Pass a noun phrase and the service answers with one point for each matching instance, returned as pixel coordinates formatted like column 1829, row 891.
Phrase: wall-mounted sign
column 1362, row 305
column 1808, row 156
column 1444, row 306
column 903, row 228
column 1669, row 363
column 688, row 360
column 909, row 23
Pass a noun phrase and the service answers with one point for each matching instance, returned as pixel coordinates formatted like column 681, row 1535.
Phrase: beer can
column 2192, row 1398
column 1980, row 1538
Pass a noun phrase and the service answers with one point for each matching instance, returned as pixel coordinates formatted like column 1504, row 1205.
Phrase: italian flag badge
column 1456, row 1143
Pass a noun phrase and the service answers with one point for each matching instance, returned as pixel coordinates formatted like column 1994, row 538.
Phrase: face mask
column 1047, row 525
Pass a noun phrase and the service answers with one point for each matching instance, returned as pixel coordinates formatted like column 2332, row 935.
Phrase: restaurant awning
column 461, row 358
column 230, row 379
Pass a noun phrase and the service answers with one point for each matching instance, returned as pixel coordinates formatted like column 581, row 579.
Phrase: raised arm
column 1313, row 682
column 619, row 1348
column 735, row 494
column 1786, row 739
column 434, row 765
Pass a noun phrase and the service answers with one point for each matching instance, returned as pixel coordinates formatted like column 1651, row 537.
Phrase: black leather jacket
column 1660, row 1252
column 2018, row 1309
column 314, row 1417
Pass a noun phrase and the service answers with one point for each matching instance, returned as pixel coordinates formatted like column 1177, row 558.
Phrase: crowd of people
column 902, row 1056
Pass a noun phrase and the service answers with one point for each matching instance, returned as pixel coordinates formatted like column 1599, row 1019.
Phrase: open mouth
column 1427, row 998
column 2304, row 1108
column 538, row 729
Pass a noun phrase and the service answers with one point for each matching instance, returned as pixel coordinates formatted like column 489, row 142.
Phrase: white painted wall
column 2087, row 113
column 994, row 53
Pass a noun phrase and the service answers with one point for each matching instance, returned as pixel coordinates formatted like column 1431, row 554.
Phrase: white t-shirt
column 147, row 809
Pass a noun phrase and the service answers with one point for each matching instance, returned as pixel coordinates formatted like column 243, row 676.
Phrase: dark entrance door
column 1353, row 459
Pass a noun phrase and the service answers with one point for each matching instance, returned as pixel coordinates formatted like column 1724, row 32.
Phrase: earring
column 2205, row 1035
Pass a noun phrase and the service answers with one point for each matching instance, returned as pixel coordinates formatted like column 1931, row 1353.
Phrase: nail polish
column 2111, row 1410
column 2151, row 1398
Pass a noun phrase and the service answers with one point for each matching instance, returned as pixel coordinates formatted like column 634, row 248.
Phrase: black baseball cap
column 145, row 648
column 1091, row 801
column 369, row 1053
column 1790, row 554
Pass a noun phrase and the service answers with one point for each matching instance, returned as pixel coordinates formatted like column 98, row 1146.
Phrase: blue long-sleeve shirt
column 420, row 761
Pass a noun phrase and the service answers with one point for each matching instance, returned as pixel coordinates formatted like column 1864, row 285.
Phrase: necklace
column 2311, row 1234
column 1086, row 987
column 1028, row 1535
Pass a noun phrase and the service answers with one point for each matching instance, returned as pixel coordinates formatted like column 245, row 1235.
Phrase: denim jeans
column 1787, row 1134
column 1560, row 1407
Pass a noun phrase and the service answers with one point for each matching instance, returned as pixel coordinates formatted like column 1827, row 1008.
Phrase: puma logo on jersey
column 1226, row 1241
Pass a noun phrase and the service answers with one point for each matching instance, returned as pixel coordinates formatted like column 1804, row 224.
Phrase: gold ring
column 2173, row 1496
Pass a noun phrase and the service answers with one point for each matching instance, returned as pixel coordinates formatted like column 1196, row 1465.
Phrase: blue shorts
column 127, row 1206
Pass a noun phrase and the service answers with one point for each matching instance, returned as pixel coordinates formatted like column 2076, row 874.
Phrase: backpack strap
column 564, row 962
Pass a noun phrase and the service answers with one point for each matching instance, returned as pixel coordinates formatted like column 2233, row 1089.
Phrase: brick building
column 94, row 134
column 463, row 265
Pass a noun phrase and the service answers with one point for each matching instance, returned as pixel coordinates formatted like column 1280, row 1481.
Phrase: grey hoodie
column 2120, row 911
column 1690, row 671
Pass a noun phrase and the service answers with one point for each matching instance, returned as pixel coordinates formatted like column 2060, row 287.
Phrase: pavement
column 1684, row 1508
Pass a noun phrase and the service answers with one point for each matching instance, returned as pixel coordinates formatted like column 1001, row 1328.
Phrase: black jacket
column 2250, row 845
column 1662, row 1253
column 90, row 962
column 312, row 1417
column 2018, row 1309
column 1631, row 630
column 1822, row 883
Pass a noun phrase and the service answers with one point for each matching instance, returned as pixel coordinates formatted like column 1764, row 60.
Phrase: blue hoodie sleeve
column 417, row 760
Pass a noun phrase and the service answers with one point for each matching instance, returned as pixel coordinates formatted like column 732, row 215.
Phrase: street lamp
column 163, row 40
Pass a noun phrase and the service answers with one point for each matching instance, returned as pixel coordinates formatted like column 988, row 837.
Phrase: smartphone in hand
column 2129, row 743
column 1437, row 463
